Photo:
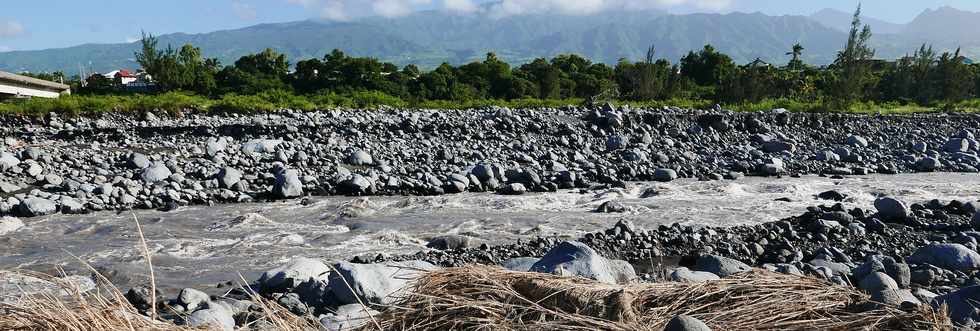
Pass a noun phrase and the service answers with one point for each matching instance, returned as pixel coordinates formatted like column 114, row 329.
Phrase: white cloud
column 349, row 9
column 5, row 48
column 11, row 29
column 243, row 10
column 462, row 6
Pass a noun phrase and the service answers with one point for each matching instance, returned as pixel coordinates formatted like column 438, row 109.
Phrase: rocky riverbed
column 883, row 203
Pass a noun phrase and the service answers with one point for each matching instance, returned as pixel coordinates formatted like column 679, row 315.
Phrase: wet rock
column 287, row 276
column 611, row 207
column 32, row 207
column 452, row 241
column 664, row 175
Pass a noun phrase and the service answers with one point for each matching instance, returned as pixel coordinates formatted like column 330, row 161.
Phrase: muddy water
column 200, row 246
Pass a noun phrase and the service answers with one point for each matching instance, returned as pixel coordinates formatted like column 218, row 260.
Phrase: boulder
column 664, row 175
column 720, row 265
column 572, row 258
column 452, row 241
column 877, row 281
column 963, row 305
column 611, row 207
column 287, row 184
column 260, row 146
column 513, row 189
column 214, row 316
column 138, row 161
column 347, row 318
column 778, row 147
column 373, row 283
column 32, row 207
column 683, row 274
column 228, row 177
column 891, row 209
column 156, row 173
column 291, row 274
column 522, row 264
column 947, row 256
column 191, row 299
column 360, row 158
column 857, row 141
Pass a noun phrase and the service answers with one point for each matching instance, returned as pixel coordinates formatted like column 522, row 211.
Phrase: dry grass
column 489, row 298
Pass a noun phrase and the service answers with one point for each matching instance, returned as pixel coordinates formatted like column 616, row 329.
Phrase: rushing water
column 200, row 245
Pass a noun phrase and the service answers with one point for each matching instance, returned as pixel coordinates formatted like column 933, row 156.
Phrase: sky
column 41, row 24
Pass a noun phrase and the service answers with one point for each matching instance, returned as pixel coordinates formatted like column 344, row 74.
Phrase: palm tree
column 796, row 53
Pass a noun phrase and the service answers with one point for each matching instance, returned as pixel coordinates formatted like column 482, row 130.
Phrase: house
column 18, row 86
column 121, row 77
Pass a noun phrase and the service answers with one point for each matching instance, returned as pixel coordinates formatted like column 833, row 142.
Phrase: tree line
column 924, row 77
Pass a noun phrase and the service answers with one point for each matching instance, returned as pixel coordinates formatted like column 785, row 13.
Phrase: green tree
column 795, row 63
column 852, row 70
column 707, row 67
column 954, row 77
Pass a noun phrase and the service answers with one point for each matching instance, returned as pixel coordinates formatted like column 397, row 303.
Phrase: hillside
column 429, row 38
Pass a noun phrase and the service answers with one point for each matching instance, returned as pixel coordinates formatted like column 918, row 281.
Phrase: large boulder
column 291, row 274
column 287, row 184
column 720, row 265
column 156, row 173
column 260, row 146
column 452, row 241
column 572, row 258
column 947, row 256
column 857, row 141
column 138, row 161
column 32, row 207
column 892, row 209
column 8, row 160
column 373, row 283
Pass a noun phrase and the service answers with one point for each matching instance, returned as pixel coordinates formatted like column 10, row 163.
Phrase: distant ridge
column 429, row 38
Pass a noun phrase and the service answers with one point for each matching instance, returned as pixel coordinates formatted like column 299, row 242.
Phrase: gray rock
column 155, row 173
column 452, row 241
column 9, row 225
column 513, row 189
column 32, row 207
column 287, row 276
column 192, row 299
column 215, row 316
column 928, row 164
column 287, row 184
column 686, row 323
column 664, row 175
column 373, row 283
column 611, row 207
column 878, row 281
column 720, row 265
column 360, row 158
column 8, row 160
column 138, row 161
column 956, row 145
column 215, row 146
column 228, row 177
column 963, row 304
column 348, row 318
column 947, row 256
column 682, row 274
column 260, row 146
column 522, row 264
column 624, row 271
column 892, row 209
column 857, row 141
column 778, row 147
column 572, row 258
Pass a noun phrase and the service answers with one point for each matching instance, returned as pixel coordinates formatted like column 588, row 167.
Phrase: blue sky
column 38, row 24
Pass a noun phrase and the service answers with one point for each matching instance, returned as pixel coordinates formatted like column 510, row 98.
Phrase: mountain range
column 428, row 38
